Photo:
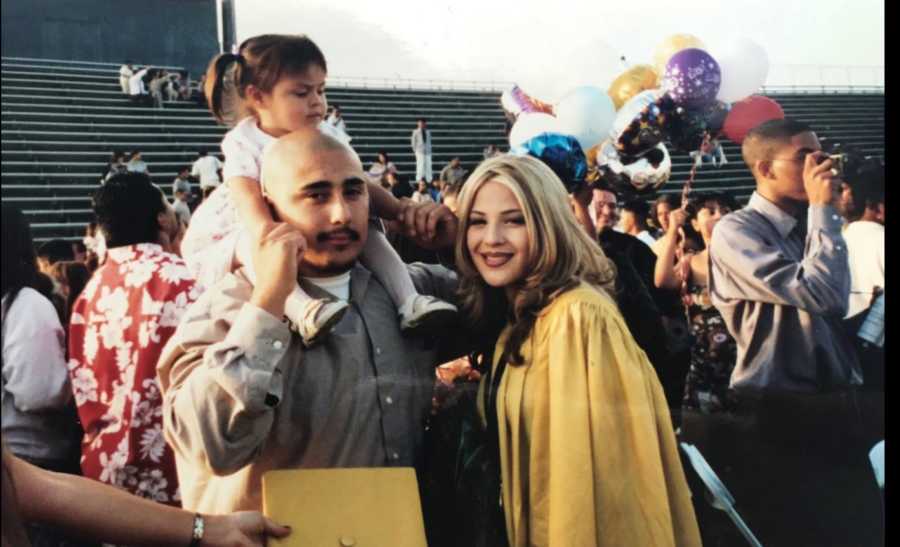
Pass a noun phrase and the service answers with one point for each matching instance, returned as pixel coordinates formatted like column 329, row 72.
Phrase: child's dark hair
column 261, row 61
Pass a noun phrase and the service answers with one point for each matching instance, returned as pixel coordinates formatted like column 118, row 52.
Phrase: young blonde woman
column 586, row 448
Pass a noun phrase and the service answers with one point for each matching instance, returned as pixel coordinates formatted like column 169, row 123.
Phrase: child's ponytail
column 222, row 89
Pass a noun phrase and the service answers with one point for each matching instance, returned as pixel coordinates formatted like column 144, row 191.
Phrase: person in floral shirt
column 119, row 325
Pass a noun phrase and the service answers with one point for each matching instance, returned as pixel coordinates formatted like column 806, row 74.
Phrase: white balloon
column 587, row 113
column 744, row 67
column 531, row 124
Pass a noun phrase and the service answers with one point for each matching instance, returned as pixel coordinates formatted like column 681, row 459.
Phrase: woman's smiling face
column 497, row 237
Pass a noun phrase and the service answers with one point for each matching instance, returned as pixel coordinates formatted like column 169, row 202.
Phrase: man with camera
column 794, row 452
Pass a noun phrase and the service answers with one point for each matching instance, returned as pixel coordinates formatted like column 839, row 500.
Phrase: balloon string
column 680, row 253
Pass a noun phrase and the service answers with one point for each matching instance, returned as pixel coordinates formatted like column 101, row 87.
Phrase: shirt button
column 395, row 456
column 389, row 400
column 835, row 217
column 277, row 344
column 838, row 247
column 377, row 351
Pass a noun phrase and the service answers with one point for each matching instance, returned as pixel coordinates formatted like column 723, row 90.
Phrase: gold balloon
column 672, row 45
column 631, row 82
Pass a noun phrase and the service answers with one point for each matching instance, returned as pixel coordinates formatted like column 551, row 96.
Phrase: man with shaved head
column 242, row 395
column 793, row 452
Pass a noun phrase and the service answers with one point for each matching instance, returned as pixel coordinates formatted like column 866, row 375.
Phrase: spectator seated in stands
column 453, row 172
column 136, row 164
column 137, row 87
column 423, row 192
column 196, row 91
column 117, row 164
column 172, row 87
column 399, row 187
column 634, row 220
column 381, row 167
column 126, row 71
column 711, row 152
column 158, row 80
column 336, row 119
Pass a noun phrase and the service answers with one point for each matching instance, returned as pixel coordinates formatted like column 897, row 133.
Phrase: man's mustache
column 353, row 235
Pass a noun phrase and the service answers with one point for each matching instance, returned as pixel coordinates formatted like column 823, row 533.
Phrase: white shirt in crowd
column 207, row 168
column 645, row 236
column 137, row 166
column 865, row 252
column 337, row 122
column 125, row 74
column 136, row 82
column 36, row 386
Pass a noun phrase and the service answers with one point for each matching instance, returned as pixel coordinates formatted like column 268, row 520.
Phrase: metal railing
column 797, row 78
column 416, row 84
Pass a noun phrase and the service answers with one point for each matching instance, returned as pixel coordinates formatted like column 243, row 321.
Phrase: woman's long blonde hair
column 560, row 253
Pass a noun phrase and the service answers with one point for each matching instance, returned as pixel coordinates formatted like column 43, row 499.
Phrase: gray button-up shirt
column 421, row 141
column 243, row 396
column 782, row 289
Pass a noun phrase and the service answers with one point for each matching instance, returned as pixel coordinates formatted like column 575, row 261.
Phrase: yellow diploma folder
column 366, row 507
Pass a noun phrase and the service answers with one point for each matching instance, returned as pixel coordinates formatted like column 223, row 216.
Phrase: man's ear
column 763, row 168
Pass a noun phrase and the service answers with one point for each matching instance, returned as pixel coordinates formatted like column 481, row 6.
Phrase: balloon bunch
column 686, row 99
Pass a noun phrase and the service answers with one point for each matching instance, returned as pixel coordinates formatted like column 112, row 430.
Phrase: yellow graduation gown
column 587, row 452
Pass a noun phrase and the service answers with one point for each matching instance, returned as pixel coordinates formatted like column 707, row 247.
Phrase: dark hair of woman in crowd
column 72, row 277
column 700, row 201
column 668, row 202
column 19, row 260
column 261, row 62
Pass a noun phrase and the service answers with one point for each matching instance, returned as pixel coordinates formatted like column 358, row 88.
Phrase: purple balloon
column 692, row 77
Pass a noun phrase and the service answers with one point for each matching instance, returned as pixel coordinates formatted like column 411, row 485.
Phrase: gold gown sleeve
column 602, row 462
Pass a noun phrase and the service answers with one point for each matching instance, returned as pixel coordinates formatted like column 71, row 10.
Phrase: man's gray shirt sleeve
column 748, row 267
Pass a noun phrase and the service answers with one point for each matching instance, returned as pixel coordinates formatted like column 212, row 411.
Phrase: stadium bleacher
column 62, row 119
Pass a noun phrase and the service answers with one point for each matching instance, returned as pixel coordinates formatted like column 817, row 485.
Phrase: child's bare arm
column 251, row 206
column 384, row 204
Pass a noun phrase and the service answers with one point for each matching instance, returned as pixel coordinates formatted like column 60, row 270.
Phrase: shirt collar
column 784, row 223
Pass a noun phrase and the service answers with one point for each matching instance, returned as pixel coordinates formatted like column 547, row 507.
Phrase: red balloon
column 747, row 114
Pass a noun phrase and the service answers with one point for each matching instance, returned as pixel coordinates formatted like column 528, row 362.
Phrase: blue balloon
column 561, row 153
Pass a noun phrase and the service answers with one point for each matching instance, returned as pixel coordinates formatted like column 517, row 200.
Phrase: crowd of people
column 536, row 355
column 150, row 86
